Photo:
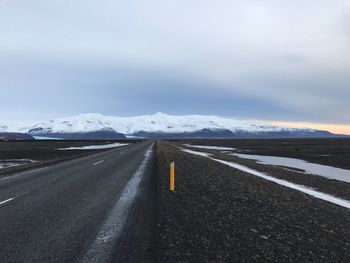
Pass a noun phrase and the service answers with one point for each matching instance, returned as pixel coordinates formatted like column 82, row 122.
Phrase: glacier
column 161, row 123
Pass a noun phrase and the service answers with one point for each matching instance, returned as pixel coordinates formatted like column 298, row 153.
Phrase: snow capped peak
column 160, row 114
column 156, row 123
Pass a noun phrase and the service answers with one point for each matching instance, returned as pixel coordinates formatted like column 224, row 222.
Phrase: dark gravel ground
column 322, row 184
column 327, row 151
column 310, row 149
column 44, row 151
column 219, row 214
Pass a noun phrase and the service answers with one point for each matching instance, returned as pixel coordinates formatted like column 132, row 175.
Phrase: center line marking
column 6, row 201
column 98, row 163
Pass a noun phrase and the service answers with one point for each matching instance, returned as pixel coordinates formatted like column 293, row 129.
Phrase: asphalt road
column 62, row 213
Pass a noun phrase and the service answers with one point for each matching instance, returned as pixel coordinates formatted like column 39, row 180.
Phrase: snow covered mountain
column 162, row 125
column 5, row 135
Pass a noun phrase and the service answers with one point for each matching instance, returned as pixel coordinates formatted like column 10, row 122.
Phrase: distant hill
column 97, row 126
column 12, row 136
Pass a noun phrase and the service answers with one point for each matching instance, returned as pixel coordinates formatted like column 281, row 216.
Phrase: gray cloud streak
column 285, row 60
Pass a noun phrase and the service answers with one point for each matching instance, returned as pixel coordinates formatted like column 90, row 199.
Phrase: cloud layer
column 251, row 59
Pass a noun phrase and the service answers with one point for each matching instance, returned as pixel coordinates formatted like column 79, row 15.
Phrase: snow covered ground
column 45, row 138
column 209, row 147
column 310, row 168
column 300, row 188
column 14, row 162
column 95, row 147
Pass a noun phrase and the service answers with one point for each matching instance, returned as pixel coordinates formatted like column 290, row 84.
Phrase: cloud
column 275, row 59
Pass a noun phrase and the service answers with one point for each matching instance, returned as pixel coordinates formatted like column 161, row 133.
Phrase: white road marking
column 102, row 248
column 98, row 163
column 301, row 188
column 6, row 201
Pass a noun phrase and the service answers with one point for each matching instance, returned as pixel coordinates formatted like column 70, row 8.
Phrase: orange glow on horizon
column 333, row 128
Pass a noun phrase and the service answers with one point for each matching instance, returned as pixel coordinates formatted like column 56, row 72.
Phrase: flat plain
column 222, row 214
column 226, row 207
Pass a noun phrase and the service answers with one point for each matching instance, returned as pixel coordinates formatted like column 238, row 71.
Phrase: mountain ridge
column 164, row 125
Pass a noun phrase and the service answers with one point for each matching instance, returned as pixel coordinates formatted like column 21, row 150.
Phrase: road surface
column 72, row 211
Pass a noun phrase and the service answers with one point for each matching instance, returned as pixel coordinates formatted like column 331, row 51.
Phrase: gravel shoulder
column 219, row 214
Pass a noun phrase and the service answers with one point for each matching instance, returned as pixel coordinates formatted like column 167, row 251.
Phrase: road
column 72, row 211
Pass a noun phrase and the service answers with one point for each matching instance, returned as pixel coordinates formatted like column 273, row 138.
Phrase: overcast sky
column 270, row 60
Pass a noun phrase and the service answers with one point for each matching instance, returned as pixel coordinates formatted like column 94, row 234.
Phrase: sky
column 285, row 62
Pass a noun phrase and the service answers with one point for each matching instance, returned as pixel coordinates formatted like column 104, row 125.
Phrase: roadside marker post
column 172, row 176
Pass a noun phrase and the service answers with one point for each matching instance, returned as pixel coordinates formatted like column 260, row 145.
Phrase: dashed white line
column 6, row 201
column 98, row 163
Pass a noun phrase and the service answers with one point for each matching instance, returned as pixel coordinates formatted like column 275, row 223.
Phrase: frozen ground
column 326, row 171
column 209, row 147
column 96, row 147
column 232, row 209
column 46, row 138
column 14, row 162
column 300, row 188
column 310, row 168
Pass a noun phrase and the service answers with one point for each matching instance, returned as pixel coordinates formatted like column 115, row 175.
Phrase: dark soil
column 219, row 214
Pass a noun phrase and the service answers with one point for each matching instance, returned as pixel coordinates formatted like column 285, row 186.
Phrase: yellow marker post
column 172, row 176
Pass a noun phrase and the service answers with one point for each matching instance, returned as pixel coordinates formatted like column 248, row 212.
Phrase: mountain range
column 161, row 125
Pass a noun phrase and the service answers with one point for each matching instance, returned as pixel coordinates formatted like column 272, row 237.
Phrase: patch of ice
column 329, row 172
column 46, row 138
column 209, row 147
column 300, row 188
column 95, row 147
column 14, row 162
column 196, row 153
column 8, row 164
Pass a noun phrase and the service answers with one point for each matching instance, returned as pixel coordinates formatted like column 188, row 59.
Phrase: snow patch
column 209, row 147
column 95, row 147
column 300, row 188
column 196, row 153
column 329, row 172
column 46, row 138
column 14, row 162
